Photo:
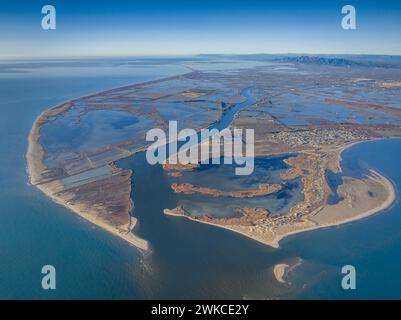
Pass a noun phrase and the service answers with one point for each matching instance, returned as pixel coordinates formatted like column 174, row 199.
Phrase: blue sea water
column 34, row 231
column 372, row 245
column 188, row 260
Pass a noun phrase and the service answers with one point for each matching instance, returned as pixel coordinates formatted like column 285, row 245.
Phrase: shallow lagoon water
column 188, row 259
column 222, row 177
column 372, row 245
column 316, row 256
column 95, row 129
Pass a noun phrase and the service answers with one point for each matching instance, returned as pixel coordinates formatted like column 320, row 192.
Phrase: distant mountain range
column 338, row 62
column 378, row 61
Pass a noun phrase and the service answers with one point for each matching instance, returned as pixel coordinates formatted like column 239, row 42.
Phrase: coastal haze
column 79, row 193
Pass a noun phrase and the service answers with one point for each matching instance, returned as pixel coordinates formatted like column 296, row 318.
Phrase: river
column 187, row 259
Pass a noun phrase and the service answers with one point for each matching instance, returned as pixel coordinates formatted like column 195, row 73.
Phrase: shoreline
column 35, row 166
column 391, row 198
column 128, row 236
column 275, row 242
column 279, row 271
column 34, row 133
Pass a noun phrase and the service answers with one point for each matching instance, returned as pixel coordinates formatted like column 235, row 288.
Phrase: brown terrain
column 316, row 140
column 262, row 190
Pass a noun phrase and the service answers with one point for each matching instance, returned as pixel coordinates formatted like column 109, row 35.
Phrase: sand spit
column 124, row 233
column 37, row 170
column 362, row 198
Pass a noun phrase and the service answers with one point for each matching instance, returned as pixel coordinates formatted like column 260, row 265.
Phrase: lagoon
column 187, row 259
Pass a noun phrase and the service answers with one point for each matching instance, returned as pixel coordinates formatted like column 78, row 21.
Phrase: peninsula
column 308, row 114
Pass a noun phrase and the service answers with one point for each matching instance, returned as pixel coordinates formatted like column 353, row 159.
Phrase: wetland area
column 321, row 140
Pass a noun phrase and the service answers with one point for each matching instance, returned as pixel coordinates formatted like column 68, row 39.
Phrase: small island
column 279, row 271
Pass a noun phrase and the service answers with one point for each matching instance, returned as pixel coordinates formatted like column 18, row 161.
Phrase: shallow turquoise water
column 188, row 260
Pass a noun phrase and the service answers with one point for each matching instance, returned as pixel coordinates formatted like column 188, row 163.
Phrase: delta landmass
column 304, row 112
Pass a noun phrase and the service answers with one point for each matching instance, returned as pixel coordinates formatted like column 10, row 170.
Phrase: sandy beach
column 327, row 215
column 279, row 271
column 126, row 235
column 320, row 214
column 360, row 214
column 35, row 167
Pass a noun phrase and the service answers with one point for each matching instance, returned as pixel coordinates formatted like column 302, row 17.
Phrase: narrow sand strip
column 35, row 167
column 274, row 240
column 125, row 235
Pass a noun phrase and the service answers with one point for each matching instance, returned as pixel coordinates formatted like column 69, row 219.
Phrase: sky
column 171, row 27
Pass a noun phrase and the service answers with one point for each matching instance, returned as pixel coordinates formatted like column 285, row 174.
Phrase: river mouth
column 152, row 192
column 212, row 251
column 172, row 240
column 187, row 259
column 151, row 186
column 186, row 254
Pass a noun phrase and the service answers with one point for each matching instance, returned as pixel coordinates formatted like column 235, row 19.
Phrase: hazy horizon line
column 169, row 55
